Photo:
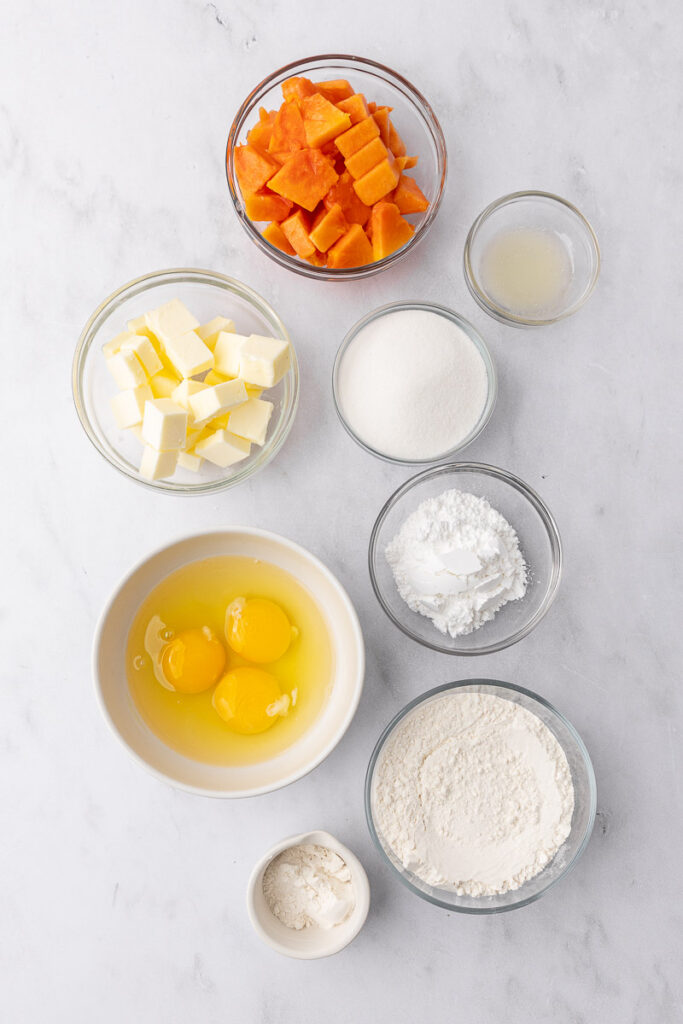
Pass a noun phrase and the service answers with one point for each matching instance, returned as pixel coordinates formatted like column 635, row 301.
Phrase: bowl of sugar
column 413, row 382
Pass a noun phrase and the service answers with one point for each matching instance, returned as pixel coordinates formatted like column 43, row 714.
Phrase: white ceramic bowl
column 309, row 943
column 109, row 666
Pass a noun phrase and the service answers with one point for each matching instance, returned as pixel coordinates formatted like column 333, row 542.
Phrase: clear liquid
column 527, row 272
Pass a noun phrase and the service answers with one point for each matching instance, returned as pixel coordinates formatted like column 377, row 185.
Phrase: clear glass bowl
column 534, row 211
column 539, row 542
column 415, row 121
column 585, row 800
column 206, row 294
column 473, row 335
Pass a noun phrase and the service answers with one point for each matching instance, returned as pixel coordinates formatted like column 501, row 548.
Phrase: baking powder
column 309, row 886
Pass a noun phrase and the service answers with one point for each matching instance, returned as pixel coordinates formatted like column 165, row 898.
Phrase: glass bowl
column 207, row 294
column 585, row 800
column 473, row 335
column 536, row 211
column 539, row 542
column 414, row 119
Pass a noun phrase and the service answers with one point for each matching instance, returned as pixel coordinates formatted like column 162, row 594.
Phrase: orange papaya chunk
column 297, row 89
column 328, row 227
column 374, row 185
column 288, row 132
column 253, row 168
column 366, row 158
column 305, row 178
column 390, row 230
column 408, row 196
column 356, row 107
column 353, row 209
column 276, row 236
column 372, row 107
column 356, row 137
column 260, row 134
column 396, row 143
column 322, row 120
column 265, row 205
column 334, row 91
column 381, row 116
column 404, row 162
column 352, row 250
column 295, row 230
column 317, row 259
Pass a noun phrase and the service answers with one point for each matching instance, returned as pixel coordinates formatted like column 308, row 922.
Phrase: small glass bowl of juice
column 531, row 259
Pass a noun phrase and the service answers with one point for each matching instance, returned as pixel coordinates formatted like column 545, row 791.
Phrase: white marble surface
column 124, row 900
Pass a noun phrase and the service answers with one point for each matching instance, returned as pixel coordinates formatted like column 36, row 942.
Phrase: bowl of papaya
column 336, row 167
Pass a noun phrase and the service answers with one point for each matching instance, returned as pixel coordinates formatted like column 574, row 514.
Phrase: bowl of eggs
column 229, row 664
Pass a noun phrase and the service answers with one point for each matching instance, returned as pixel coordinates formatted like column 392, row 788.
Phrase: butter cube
column 138, row 325
column 188, row 354
column 156, row 465
column 263, row 361
column 145, row 351
column 127, row 370
column 219, row 422
column 110, row 348
column 170, row 321
column 186, row 388
column 251, row 420
column 163, row 384
column 213, row 378
column 164, row 424
column 209, row 332
column 227, row 353
column 223, row 449
column 129, row 406
column 214, row 401
column 188, row 460
column 253, row 391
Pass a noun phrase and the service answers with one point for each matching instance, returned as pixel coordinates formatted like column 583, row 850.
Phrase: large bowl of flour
column 480, row 796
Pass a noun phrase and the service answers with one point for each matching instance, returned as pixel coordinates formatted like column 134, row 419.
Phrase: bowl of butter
column 186, row 381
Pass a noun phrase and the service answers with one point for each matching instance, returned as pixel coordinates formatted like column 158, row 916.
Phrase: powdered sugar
column 309, row 886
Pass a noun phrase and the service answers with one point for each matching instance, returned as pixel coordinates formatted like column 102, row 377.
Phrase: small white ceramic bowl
column 111, row 684
column 309, row 943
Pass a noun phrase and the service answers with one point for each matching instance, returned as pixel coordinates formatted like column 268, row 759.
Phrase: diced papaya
column 352, row 250
column 389, row 229
column 288, row 132
column 276, row 236
column 265, row 205
column 328, row 227
column 372, row 107
column 316, row 259
column 253, row 168
column 357, row 136
column 356, row 107
column 404, row 162
column 381, row 116
column 296, row 229
column 334, row 91
column 305, row 178
column 353, row 209
column 260, row 134
column 366, row 158
column 408, row 196
column 374, row 185
column 396, row 143
column 297, row 89
column 322, row 120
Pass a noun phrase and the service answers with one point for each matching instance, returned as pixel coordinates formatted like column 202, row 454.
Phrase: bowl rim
column 481, row 297
column 521, row 487
column 429, row 117
column 498, row 684
column 143, row 284
column 360, row 883
column 354, row 623
column 472, row 333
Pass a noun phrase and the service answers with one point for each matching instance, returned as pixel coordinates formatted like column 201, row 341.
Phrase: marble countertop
column 123, row 900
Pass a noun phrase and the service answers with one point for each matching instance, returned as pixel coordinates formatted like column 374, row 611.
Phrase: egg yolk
column 258, row 629
column 249, row 700
column 193, row 660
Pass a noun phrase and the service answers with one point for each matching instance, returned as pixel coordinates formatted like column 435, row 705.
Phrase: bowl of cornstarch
column 465, row 558
column 480, row 796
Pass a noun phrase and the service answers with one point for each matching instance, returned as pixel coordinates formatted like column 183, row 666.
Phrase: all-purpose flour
column 474, row 793
column 457, row 561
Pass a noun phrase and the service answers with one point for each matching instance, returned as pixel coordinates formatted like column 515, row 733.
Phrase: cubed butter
column 129, row 406
column 170, row 321
column 188, row 354
column 164, row 384
column 186, row 388
column 227, row 353
column 222, row 448
column 263, row 361
column 188, row 460
column 209, row 332
column 156, row 465
column 211, row 402
column 213, row 377
column 251, row 419
column 253, row 391
column 110, row 348
column 127, row 370
column 145, row 351
column 164, row 424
